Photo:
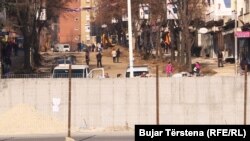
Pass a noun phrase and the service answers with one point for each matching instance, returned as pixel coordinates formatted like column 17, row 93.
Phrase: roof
column 138, row 68
column 66, row 66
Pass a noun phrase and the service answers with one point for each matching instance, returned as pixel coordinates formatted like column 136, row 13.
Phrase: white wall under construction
column 121, row 102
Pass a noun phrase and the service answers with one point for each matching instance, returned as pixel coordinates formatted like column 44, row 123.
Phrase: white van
column 77, row 71
column 138, row 71
column 62, row 48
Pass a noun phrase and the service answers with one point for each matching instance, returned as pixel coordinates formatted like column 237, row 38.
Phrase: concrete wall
column 120, row 102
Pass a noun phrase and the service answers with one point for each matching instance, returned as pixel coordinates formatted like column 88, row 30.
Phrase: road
column 77, row 138
column 91, row 137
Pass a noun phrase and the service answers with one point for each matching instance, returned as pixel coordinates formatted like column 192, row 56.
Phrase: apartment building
column 223, row 28
column 87, row 17
column 75, row 22
column 243, row 9
column 70, row 24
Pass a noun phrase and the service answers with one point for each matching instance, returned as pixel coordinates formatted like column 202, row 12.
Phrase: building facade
column 243, row 9
column 87, row 18
column 70, row 24
column 223, row 28
column 75, row 23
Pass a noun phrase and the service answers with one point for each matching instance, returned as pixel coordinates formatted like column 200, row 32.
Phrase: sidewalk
column 212, row 63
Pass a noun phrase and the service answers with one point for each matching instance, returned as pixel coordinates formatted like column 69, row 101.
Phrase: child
column 169, row 69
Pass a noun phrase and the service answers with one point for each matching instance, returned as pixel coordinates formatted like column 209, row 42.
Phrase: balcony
column 212, row 17
column 244, row 18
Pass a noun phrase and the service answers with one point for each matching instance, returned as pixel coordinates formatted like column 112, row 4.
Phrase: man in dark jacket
column 220, row 59
column 99, row 59
column 87, row 58
column 118, row 54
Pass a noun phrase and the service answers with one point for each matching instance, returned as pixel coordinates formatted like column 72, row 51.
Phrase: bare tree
column 191, row 13
column 109, row 9
column 25, row 15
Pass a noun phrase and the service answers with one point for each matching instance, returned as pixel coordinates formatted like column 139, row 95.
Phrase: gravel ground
column 25, row 119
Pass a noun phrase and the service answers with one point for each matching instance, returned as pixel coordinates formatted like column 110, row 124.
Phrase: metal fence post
column 69, row 103
column 0, row 69
column 245, row 96
column 157, row 95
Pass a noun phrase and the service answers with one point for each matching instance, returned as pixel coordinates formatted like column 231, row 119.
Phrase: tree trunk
column 158, row 40
column 36, row 45
column 182, row 49
column 27, row 63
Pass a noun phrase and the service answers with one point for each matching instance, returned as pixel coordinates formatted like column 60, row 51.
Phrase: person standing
column 93, row 47
column 118, row 54
column 197, row 69
column 169, row 69
column 220, row 59
column 99, row 47
column 87, row 58
column 113, row 53
column 99, row 59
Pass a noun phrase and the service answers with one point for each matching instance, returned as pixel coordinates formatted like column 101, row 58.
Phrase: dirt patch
column 25, row 119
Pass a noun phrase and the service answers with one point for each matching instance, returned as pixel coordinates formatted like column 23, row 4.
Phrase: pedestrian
column 197, row 68
column 106, row 75
column 118, row 75
column 169, row 69
column 243, row 63
column 93, row 47
column 99, row 59
column 113, row 53
column 79, row 47
column 118, row 54
column 87, row 58
column 99, row 47
column 220, row 59
column 15, row 46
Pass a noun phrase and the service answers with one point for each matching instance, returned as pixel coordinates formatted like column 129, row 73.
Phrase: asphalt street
column 77, row 138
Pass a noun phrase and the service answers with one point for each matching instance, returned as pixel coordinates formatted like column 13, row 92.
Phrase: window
column 247, row 6
column 87, row 37
column 63, row 73
column 87, row 28
column 87, row 17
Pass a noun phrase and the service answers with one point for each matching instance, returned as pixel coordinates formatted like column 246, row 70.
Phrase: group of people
column 98, row 59
column 115, row 55
column 98, row 48
column 6, row 49
column 169, row 69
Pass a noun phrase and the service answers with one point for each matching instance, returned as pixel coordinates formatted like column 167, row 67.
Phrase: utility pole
column 157, row 95
column 245, row 97
column 69, row 103
column 235, row 38
column 131, row 58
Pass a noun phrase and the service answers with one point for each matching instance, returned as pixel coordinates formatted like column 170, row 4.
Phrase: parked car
column 77, row 71
column 139, row 71
column 61, row 48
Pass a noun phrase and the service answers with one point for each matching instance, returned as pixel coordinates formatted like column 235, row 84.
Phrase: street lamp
column 130, row 40
column 235, row 41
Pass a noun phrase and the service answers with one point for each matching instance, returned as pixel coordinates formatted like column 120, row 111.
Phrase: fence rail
column 9, row 76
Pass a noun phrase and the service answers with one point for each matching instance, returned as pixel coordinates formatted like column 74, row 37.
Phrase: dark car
column 243, row 63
